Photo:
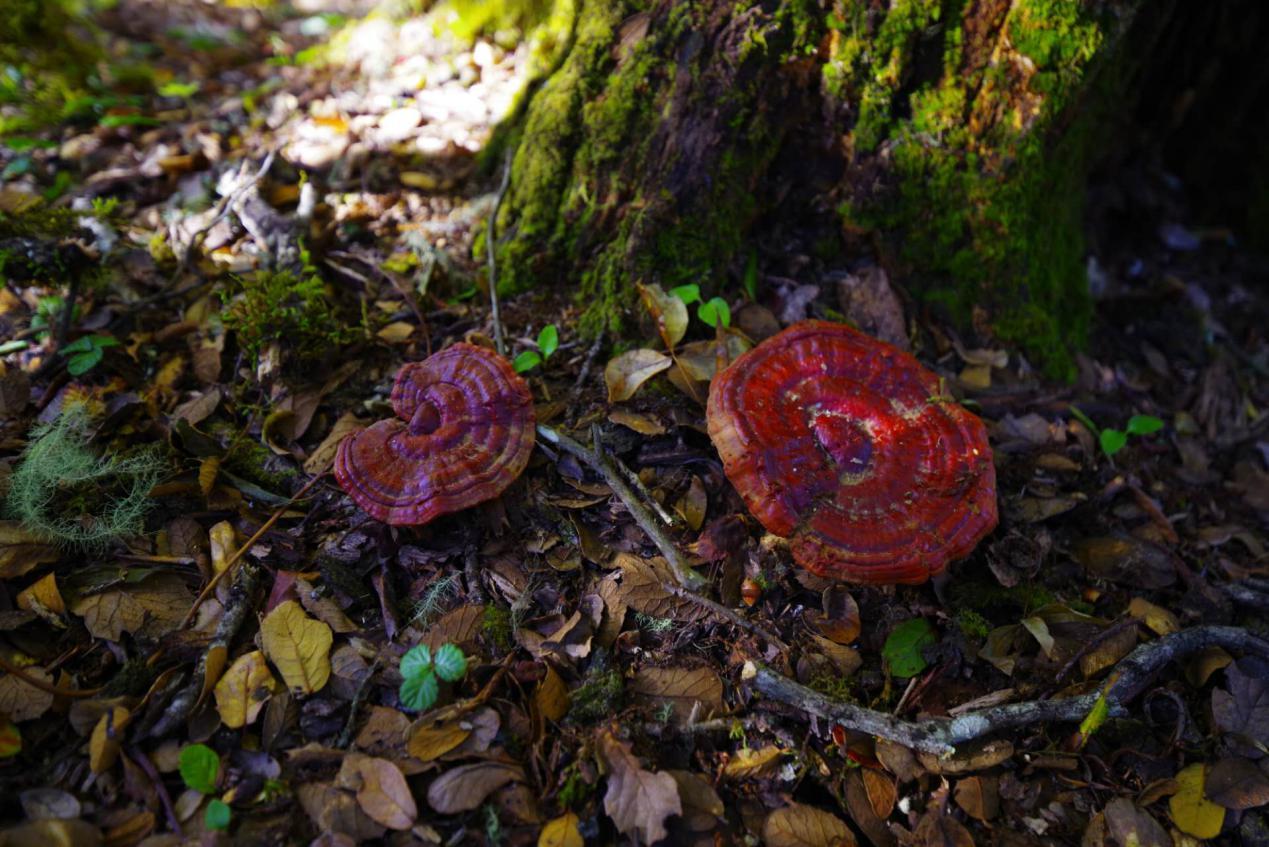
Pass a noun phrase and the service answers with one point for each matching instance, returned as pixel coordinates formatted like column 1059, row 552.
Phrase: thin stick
column 493, row 262
column 233, row 560
column 630, row 476
column 647, row 522
column 143, row 762
column 46, row 687
column 1130, row 676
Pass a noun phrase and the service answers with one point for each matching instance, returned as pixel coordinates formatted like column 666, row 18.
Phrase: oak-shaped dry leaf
column 1191, row 809
column 551, row 696
column 384, row 794
column 22, row 701
column 753, row 761
column 244, row 689
column 465, row 787
column 638, row 801
column 1237, row 784
column 681, row 689
column 561, row 832
column 799, row 825
column 1241, row 709
column 298, row 646
column 626, row 373
column 22, row 550
column 107, row 738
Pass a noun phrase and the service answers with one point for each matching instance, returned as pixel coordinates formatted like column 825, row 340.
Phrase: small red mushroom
column 465, row 433
column 847, row 446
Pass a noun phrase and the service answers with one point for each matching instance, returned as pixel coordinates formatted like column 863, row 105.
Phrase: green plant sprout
column 548, row 343
column 200, row 771
column 712, row 312
column 64, row 492
column 1114, row 440
column 85, row 353
column 419, row 672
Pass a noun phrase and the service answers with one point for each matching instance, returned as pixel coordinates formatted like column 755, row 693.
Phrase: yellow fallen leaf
column 624, row 374
column 551, row 696
column 244, row 689
column 1158, row 619
column 43, row 598
column 750, row 762
column 561, row 832
column 298, row 645
column 1192, row 812
column 397, row 332
column 431, row 742
column 223, row 545
column 107, row 737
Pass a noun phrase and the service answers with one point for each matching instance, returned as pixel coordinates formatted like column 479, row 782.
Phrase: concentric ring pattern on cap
column 848, row 447
column 465, row 433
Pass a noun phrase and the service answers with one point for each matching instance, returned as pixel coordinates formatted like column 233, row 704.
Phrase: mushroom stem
column 939, row 736
column 638, row 510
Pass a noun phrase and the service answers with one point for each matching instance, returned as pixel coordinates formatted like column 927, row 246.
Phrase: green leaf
column 687, row 293
column 526, row 361
column 750, row 280
column 714, row 312
column 902, row 650
column 113, row 121
column 178, row 89
column 1144, row 425
column 548, row 340
column 451, row 664
column 1094, row 719
column 199, row 766
column 418, row 693
column 79, row 345
column 81, row 363
column 416, row 661
column 217, row 815
column 1112, row 441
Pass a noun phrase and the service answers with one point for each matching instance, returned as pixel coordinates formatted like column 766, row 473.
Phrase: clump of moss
column 282, row 306
column 48, row 52
column 496, row 626
column 972, row 624
column 68, row 494
column 834, row 686
column 601, row 693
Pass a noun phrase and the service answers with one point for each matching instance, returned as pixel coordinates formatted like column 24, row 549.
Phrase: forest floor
column 208, row 658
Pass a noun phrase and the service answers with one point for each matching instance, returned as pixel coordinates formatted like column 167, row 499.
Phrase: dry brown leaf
column 840, row 621
column 53, row 833
column 882, row 792
column 465, row 787
column 938, row 829
column 430, row 741
column 22, row 701
column 862, row 811
column 397, row 332
column 44, row 599
column 244, row 689
column 110, row 614
column 1129, row 825
column 107, row 738
column 323, row 456
column 561, row 832
column 978, row 796
column 681, row 688
column 551, row 696
column 750, row 762
column 640, row 423
column 626, row 373
column 334, row 810
column 693, row 505
column 208, row 470
column 298, row 646
column 969, row 757
column 384, row 794
column 1159, row 620
column 1237, row 784
column 668, row 311
column 638, row 801
column 797, row 825
column 461, row 627
column 702, row 807
column 643, row 589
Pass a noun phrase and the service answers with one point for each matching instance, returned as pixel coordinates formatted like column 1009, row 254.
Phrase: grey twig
column 940, row 736
column 490, row 238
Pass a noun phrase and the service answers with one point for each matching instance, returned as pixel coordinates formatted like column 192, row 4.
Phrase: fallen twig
column 940, row 736
column 493, row 262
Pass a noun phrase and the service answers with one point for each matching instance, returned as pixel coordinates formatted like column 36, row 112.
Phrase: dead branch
column 940, row 736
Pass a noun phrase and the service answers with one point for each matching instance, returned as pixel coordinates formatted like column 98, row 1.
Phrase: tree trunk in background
column 955, row 138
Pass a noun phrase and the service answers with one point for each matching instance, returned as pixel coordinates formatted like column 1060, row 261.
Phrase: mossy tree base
column 965, row 130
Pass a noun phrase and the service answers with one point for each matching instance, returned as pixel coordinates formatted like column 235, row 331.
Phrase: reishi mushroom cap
column 847, row 446
column 465, row 432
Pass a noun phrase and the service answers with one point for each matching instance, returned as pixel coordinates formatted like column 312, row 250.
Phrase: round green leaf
column 199, row 766
column 451, row 664
column 687, row 293
column 217, row 815
column 902, row 650
column 548, row 340
column 1144, row 425
column 416, row 661
column 419, row 693
column 715, row 312
column 527, row 361
column 1113, row 441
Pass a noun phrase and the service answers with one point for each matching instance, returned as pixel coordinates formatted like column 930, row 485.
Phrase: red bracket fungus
column 846, row 446
column 465, row 433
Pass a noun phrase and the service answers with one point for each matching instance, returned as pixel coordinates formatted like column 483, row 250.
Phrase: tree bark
column 949, row 139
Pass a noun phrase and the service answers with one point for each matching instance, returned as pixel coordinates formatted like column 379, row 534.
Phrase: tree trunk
column 949, row 139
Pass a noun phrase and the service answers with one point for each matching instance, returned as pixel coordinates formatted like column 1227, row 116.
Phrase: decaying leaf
column 681, row 689
column 643, row 589
column 22, row 701
column 668, row 311
column 244, row 689
column 298, row 646
column 561, row 832
column 750, row 762
column 1237, row 784
column 384, row 794
column 1129, row 825
column 551, row 696
column 638, row 801
column 978, row 796
column 797, row 825
column 22, row 550
column 625, row 374
column 107, row 738
column 1192, row 811
column 465, row 787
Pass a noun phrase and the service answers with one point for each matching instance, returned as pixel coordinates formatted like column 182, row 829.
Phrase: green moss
column 285, row 307
column 972, row 624
column 48, row 54
column 834, row 686
column 496, row 626
column 68, row 494
column 601, row 693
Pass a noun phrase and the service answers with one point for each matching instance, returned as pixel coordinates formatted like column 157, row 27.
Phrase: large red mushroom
column 465, row 432
column 849, row 448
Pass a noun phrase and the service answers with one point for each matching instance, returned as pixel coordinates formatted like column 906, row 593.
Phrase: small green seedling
column 902, row 650
column 548, row 343
column 712, row 313
column 750, row 280
column 200, row 770
column 84, row 354
column 419, row 672
column 1114, row 440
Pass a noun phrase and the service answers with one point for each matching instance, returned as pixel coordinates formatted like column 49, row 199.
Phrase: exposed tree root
column 1128, row 679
